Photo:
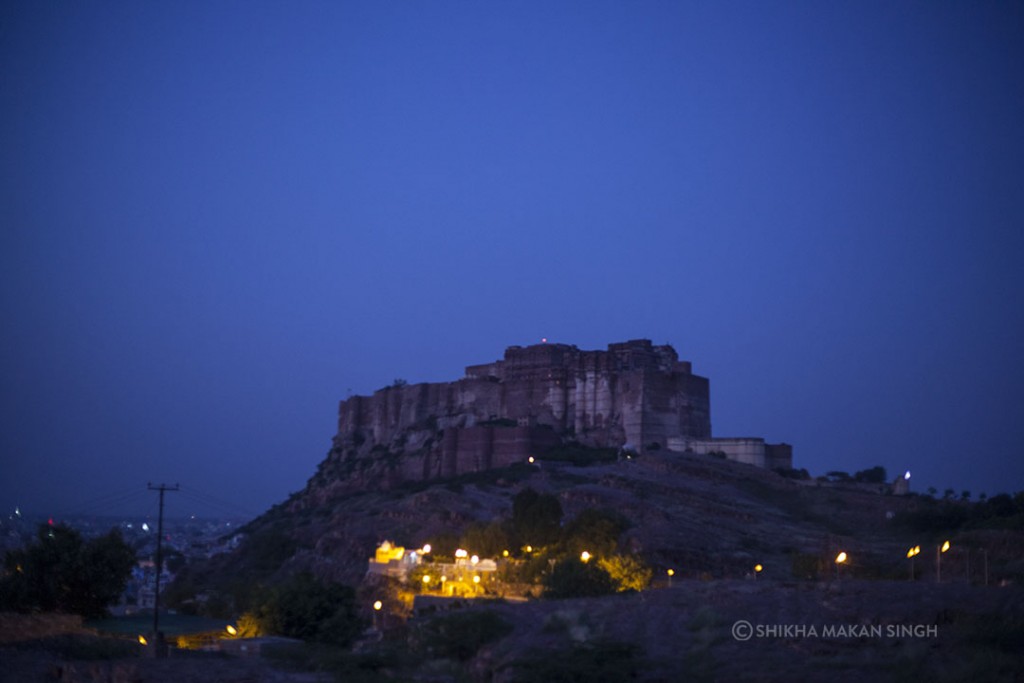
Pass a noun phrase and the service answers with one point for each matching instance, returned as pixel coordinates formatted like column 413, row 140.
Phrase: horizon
column 222, row 220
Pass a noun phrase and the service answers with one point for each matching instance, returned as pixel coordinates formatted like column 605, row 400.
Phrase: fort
column 634, row 396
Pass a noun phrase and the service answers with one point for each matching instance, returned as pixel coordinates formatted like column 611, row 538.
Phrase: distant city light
column 476, row 579
column 145, row 527
column 758, row 568
column 529, row 548
column 504, row 553
column 142, row 639
column 426, row 548
column 475, row 559
column 945, row 546
column 232, row 631
column 907, row 475
column 460, row 553
column 530, row 460
column 585, row 556
column 671, row 572
column 426, row 578
column 543, row 340
column 377, row 605
column 840, row 558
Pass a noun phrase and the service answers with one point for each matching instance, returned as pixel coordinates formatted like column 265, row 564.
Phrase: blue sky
column 221, row 218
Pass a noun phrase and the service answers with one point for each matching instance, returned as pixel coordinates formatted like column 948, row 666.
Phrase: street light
column 840, row 559
column 585, row 556
column 911, row 553
column 939, row 549
column 232, row 631
column 757, row 570
column 376, row 609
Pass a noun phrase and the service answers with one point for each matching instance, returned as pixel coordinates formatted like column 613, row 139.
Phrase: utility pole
column 158, row 641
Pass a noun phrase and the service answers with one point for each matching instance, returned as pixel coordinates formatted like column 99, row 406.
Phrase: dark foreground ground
column 740, row 630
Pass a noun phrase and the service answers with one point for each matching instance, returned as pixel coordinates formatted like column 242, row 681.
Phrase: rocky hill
column 711, row 521
column 601, row 431
column 699, row 514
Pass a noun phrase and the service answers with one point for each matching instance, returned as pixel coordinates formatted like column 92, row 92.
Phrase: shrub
column 580, row 455
column 573, row 578
column 627, row 572
column 461, row 634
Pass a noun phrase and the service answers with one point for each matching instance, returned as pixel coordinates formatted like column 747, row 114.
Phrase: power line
column 105, row 502
column 215, row 502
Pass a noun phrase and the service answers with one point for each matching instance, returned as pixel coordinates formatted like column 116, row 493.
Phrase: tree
column 874, row 475
column 627, row 572
column 574, row 578
column 485, row 540
column 536, row 517
column 304, row 607
column 61, row 573
column 594, row 530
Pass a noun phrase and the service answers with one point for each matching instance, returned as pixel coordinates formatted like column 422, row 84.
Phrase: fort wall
column 633, row 394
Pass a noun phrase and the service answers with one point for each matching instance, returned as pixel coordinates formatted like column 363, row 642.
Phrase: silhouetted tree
column 61, row 573
column 536, row 517
column 594, row 530
column 573, row 578
column 304, row 607
column 874, row 475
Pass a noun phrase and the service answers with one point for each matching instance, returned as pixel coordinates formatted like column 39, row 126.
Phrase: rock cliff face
column 633, row 394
